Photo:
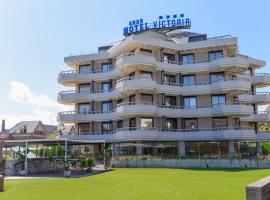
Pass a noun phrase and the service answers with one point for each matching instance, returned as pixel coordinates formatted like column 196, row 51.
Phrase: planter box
column 67, row 173
column 22, row 172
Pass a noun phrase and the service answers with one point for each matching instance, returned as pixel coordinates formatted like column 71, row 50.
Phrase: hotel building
column 167, row 94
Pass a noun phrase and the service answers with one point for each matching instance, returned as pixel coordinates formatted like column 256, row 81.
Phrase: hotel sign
column 168, row 22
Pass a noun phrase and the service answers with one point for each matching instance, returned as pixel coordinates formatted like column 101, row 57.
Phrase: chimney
column 3, row 126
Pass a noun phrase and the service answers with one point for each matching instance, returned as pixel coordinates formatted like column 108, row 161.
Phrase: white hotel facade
column 167, row 93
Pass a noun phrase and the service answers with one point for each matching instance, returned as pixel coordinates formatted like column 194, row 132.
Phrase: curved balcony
column 263, row 116
column 148, row 108
column 257, row 97
column 130, row 84
column 236, row 63
column 72, row 77
column 156, row 134
column 73, row 96
column 233, row 63
column 261, row 79
column 143, row 83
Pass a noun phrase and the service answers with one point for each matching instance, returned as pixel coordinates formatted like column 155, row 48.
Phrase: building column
column 139, row 148
column 181, row 148
column 259, row 147
column 230, row 149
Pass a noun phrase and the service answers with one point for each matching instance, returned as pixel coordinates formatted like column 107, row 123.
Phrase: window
column 170, row 101
column 220, row 122
column 132, row 74
column 132, row 122
column 106, row 126
column 169, row 79
column 188, row 80
column 119, row 101
column 147, row 97
column 187, row 58
column 105, row 67
column 85, row 69
column 216, row 77
column 169, row 58
column 237, row 122
column 196, row 38
column 132, row 98
column 146, row 51
column 171, row 123
column 147, row 122
column 212, row 55
column 106, row 86
column 106, row 106
column 218, row 99
column 146, row 74
column 190, row 102
column 120, row 124
column 191, row 124
column 84, row 88
column 84, row 108
column 83, row 128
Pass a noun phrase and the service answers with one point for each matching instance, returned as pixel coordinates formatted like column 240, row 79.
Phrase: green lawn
column 144, row 184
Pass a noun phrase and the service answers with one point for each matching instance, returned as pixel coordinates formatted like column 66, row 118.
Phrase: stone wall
column 193, row 163
column 259, row 190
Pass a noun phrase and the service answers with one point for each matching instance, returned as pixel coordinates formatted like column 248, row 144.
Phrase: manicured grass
column 142, row 184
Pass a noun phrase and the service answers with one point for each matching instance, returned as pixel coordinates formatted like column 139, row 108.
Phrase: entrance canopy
column 50, row 142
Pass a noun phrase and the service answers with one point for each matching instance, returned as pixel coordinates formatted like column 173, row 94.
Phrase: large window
column 212, row 55
column 84, row 108
column 106, row 86
column 147, row 122
column 171, row 123
column 83, row 128
column 170, row 79
column 191, row 124
column 219, row 76
column 106, row 67
column 190, row 102
column 170, row 101
column 147, row 97
column 84, row 88
column 85, row 69
column 187, row 58
column 106, row 126
column 132, row 122
column 106, row 106
column 189, row 80
column 169, row 58
column 218, row 99
column 220, row 122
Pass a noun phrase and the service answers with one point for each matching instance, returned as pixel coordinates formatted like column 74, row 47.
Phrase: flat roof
column 49, row 142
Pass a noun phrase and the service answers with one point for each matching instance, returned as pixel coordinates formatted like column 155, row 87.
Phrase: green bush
column 266, row 147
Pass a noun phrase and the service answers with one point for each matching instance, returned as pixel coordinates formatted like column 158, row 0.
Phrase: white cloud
column 22, row 94
column 42, row 107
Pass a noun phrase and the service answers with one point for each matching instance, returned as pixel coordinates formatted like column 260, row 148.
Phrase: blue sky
column 35, row 36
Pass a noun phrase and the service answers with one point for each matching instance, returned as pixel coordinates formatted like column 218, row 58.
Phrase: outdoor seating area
column 47, row 157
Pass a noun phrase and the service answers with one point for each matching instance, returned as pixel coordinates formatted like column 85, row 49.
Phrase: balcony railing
column 151, row 104
column 181, row 84
column 140, row 133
